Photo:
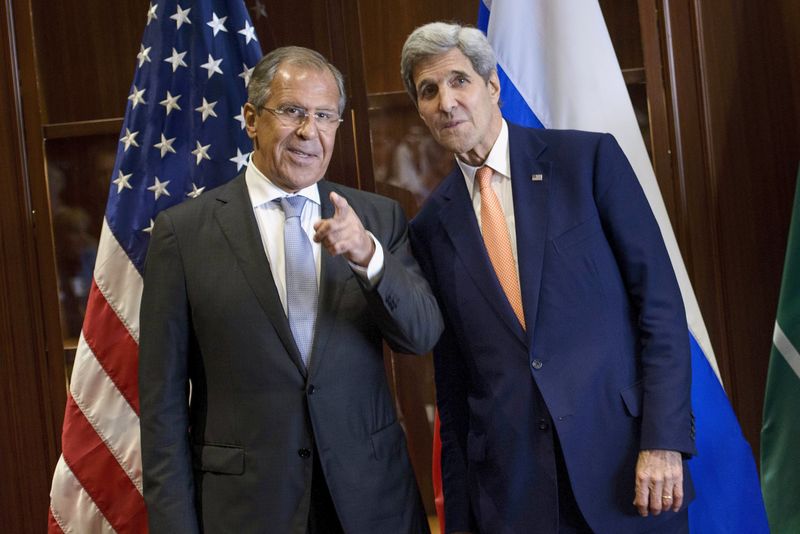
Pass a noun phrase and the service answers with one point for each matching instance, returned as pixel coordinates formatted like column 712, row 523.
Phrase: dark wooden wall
column 28, row 442
column 735, row 103
column 723, row 85
column 752, row 93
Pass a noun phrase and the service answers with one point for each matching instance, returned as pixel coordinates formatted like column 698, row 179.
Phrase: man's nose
column 308, row 128
column 447, row 100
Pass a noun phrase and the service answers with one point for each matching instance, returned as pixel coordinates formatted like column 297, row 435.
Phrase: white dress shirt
column 499, row 159
column 270, row 218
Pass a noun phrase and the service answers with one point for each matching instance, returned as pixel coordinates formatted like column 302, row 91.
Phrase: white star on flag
column 246, row 73
column 201, row 152
column 207, row 109
column 196, row 191
column 151, row 14
column 137, row 96
column 212, row 66
column 240, row 117
column 143, row 55
column 181, row 16
column 165, row 146
column 176, row 59
column 218, row 24
column 122, row 181
column 171, row 102
column 249, row 32
column 239, row 159
column 159, row 188
column 129, row 139
column 149, row 229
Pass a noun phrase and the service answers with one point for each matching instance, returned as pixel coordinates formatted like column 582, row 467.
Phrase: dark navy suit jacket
column 607, row 342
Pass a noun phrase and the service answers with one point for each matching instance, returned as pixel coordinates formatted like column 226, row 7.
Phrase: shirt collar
column 263, row 191
column 498, row 159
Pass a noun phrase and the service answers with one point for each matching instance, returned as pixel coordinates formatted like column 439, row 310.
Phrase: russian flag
column 558, row 69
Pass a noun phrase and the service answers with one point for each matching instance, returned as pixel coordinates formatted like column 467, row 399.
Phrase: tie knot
column 292, row 206
column 484, row 177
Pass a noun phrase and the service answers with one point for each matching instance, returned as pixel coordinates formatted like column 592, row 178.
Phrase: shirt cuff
column 374, row 270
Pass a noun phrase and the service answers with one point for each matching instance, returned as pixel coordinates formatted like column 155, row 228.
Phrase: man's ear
column 250, row 116
column 493, row 83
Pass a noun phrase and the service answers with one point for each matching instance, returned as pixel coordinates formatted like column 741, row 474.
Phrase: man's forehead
column 287, row 70
column 295, row 81
column 443, row 66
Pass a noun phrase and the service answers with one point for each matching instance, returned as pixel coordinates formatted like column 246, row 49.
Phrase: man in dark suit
column 264, row 400
column 563, row 374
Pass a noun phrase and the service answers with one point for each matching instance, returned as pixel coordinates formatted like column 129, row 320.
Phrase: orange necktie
column 498, row 242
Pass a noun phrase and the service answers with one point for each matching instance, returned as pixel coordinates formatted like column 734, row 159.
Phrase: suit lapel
column 530, row 215
column 234, row 214
column 458, row 219
column 334, row 272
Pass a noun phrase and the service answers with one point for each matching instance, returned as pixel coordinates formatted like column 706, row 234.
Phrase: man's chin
column 449, row 143
column 456, row 146
column 453, row 142
column 298, row 178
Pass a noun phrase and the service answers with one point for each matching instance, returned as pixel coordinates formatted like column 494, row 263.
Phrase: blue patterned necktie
column 301, row 276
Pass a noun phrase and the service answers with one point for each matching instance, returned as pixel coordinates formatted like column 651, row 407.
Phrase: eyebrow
column 459, row 73
column 294, row 104
column 451, row 74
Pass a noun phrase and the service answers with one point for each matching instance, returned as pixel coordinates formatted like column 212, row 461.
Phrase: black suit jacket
column 236, row 457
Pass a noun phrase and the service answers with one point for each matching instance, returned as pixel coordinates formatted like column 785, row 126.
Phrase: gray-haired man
column 271, row 296
column 563, row 374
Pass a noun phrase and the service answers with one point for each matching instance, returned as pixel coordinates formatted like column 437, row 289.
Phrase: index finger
column 340, row 205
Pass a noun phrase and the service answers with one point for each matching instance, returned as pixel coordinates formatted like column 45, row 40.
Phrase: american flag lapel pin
column 536, row 177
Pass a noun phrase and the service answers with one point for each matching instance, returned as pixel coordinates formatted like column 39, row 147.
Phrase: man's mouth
column 301, row 153
column 451, row 124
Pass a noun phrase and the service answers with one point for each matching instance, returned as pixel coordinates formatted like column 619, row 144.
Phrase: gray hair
column 258, row 90
column 439, row 38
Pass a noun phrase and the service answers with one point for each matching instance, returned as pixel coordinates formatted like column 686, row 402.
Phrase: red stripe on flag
column 52, row 525
column 438, row 493
column 112, row 344
column 100, row 474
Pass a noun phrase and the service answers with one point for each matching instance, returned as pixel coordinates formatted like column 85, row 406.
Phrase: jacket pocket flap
column 387, row 440
column 225, row 459
column 578, row 234
column 632, row 397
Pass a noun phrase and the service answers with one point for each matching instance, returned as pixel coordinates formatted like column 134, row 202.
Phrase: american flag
column 183, row 134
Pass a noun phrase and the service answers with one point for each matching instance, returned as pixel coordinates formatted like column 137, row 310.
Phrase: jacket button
column 311, row 389
column 304, row 453
column 543, row 424
column 537, row 364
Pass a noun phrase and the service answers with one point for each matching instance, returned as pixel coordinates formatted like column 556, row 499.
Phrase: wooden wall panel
column 736, row 88
column 85, row 51
column 295, row 23
column 622, row 21
column 692, row 216
column 652, row 33
column 753, row 133
column 385, row 25
column 28, row 419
